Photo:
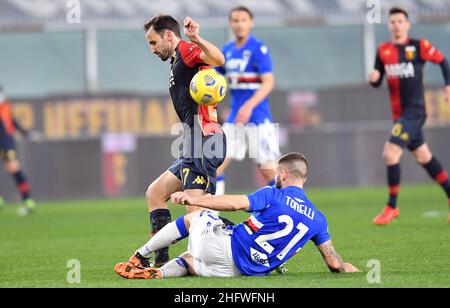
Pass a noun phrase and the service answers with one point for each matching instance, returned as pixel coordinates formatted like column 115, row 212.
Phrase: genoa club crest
column 410, row 53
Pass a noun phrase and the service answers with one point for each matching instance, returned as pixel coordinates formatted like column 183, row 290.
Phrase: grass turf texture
column 414, row 250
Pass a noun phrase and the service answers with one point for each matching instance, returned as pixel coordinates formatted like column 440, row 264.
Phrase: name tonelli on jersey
column 244, row 81
column 400, row 70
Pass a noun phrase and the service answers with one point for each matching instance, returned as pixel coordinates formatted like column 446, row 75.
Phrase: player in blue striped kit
column 248, row 68
column 283, row 220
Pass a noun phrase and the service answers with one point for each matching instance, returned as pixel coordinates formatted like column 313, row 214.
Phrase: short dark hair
column 296, row 164
column 241, row 8
column 161, row 23
column 398, row 10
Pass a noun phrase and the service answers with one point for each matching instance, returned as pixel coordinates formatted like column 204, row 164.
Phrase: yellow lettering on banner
column 24, row 113
column 124, row 123
column 111, row 118
column 134, row 109
column 76, row 118
column 54, row 120
column 95, row 119
column 154, row 117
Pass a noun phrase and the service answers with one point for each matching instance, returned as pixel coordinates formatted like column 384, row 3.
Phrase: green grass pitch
column 413, row 251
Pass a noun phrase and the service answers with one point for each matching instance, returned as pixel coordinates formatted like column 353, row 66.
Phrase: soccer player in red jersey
column 402, row 60
column 8, row 152
column 195, row 169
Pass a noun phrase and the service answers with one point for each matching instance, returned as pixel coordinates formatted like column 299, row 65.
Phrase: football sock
column 220, row 186
column 271, row 183
column 22, row 184
column 170, row 234
column 393, row 177
column 175, row 268
column 437, row 173
column 159, row 219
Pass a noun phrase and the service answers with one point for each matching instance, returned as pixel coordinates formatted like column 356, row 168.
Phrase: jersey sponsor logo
column 298, row 205
column 259, row 257
column 410, row 53
column 400, row 70
column 171, row 80
column 239, row 64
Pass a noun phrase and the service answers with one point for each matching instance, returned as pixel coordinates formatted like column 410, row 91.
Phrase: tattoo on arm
column 329, row 252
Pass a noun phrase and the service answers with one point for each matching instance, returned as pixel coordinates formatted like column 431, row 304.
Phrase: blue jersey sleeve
column 260, row 199
column 321, row 237
column 263, row 61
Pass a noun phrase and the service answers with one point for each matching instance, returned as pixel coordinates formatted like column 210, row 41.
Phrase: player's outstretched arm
column 211, row 54
column 334, row 260
column 225, row 203
column 246, row 111
column 445, row 67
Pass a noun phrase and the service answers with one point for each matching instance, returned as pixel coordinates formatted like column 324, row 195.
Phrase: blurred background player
column 402, row 60
column 8, row 152
column 190, row 173
column 248, row 68
column 217, row 250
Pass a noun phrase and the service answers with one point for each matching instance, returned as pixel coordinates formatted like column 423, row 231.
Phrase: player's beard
column 165, row 53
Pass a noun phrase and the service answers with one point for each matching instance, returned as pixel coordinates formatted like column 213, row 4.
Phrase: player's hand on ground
column 181, row 198
column 191, row 28
column 350, row 268
column 447, row 94
column 374, row 76
column 244, row 115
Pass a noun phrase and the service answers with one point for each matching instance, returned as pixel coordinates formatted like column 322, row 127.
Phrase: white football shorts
column 261, row 141
column 210, row 245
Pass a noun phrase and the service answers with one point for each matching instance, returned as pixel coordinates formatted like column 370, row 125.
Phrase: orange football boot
column 386, row 216
column 139, row 261
column 129, row 271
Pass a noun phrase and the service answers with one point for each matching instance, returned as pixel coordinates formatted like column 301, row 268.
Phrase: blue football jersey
column 283, row 221
column 243, row 69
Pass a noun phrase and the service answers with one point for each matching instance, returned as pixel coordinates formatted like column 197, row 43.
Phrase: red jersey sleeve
column 429, row 53
column 190, row 53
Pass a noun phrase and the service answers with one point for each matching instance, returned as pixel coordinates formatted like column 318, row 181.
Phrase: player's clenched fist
column 181, row 198
column 374, row 76
column 191, row 28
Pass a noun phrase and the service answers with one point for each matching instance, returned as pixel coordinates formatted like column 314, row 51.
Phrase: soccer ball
column 208, row 87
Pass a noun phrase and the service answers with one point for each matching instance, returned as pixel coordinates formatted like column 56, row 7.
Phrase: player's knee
column 12, row 166
column 151, row 196
column 391, row 156
column 190, row 262
column 423, row 157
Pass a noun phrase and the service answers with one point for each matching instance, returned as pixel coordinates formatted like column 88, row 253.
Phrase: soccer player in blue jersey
column 283, row 220
column 248, row 69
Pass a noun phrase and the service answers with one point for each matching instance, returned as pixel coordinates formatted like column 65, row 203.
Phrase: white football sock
column 170, row 234
column 175, row 268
